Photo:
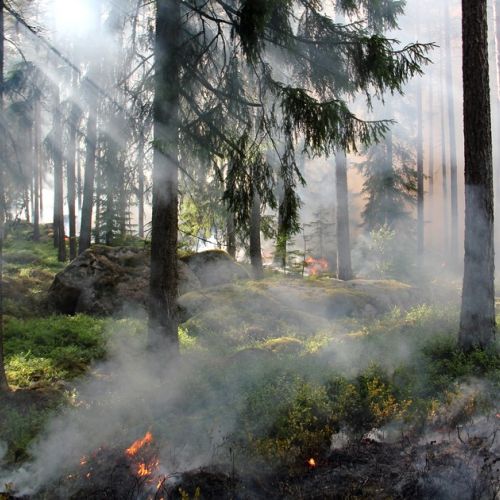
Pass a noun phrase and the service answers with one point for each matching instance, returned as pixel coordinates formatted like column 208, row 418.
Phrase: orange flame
column 316, row 266
column 143, row 470
column 312, row 463
column 139, row 444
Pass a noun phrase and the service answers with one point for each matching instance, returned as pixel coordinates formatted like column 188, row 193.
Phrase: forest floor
column 276, row 396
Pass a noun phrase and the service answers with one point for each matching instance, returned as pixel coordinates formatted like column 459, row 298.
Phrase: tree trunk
column 36, row 169
column 344, row 266
column 496, row 21
column 88, row 183
column 281, row 240
column 4, row 386
column 122, row 199
column 453, row 144
column 388, row 217
column 163, row 290
column 231, row 235
column 71, row 179
column 431, row 145
column 477, row 318
column 255, row 246
column 444, row 171
column 58, row 181
column 79, row 178
column 140, row 193
column 420, row 176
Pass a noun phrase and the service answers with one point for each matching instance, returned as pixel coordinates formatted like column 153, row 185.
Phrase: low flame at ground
column 316, row 266
column 145, row 462
column 312, row 463
column 139, row 444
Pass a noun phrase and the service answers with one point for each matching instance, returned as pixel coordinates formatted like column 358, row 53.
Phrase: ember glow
column 139, row 444
column 312, row 463
column 316, row 266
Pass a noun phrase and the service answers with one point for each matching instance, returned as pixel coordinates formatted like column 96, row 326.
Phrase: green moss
column 284, row 345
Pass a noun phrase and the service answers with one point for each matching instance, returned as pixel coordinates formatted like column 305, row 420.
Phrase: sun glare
column 73, row 16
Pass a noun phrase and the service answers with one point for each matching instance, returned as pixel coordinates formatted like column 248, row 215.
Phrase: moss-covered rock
column 106, row 280
column 257, row 311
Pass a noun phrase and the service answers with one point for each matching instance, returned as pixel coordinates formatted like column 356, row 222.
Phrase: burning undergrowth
column 255, row 424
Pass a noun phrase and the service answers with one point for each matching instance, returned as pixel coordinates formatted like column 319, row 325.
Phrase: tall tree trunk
column 89, row 176
column 255, row 245
column 388, row 217
column 40, row 171
column 444, row 170
column 98, row 200
column 453, row 144
column 122, row 199
column 420, row 175
column 496, row 21
column 59, row 236
column 4, row 386
column 344, row 266
column 36, row 169
column 79, row 177
column 477, row 318
column 71, row 179
column 431, row 145
column 28, row 164
column 140, row 193
column 231, row 235
column 163, row 289
column 282, row 237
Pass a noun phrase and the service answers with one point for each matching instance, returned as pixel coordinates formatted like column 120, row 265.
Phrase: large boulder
column 215, row 267
column 107, row 280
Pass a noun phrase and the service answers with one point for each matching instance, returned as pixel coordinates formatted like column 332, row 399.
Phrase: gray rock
column 108, row 280
column 215, row 267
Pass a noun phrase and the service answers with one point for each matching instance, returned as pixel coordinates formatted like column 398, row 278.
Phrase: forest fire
column 145, row 463
column 312, row 463
column 316, row 266
column 136, row 470
column 136, row 446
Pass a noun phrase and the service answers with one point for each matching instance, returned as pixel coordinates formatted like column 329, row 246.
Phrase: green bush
column 48, row 349
column 287, row 419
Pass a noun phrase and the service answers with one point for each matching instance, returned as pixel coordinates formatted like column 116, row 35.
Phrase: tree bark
column 59, row 237
column 444, row 171
column 255, row 244
column 420, row 175
column 281, row 240
column 71, row 178
column 389, row 217
column 140, row 193
column 477, row 318
column 431, row 145
column 4, row 386
column 453, row 144
column 36, row 169
column 344, row 266
column 163, row 290
column 231, row 235
column 89, row 176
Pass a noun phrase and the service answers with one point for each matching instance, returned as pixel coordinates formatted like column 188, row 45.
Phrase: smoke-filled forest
column 247, row 249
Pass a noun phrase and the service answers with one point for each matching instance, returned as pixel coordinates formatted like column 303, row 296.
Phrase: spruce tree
column 477, row 318
column 324, row 62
